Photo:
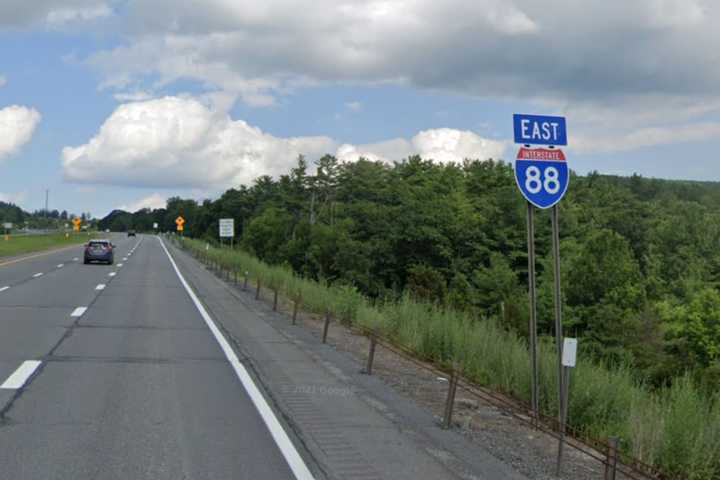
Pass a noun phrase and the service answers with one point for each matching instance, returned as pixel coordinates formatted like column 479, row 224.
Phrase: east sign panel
column 539, row 129
column 541, row 173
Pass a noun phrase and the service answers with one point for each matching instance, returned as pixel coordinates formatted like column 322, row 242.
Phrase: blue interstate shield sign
column 542, row 175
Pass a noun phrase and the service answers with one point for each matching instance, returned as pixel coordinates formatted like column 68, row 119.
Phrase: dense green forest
column 640, row 257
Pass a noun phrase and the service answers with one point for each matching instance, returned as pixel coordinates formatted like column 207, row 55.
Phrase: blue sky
column 123, row 103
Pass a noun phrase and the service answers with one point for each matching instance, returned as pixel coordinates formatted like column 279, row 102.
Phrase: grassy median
column 14, row 245
column 676, row 428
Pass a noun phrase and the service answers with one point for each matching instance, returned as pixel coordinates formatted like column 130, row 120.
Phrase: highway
column 117, row 372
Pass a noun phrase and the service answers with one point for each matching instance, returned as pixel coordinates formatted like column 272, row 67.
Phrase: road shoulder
column 353, row 425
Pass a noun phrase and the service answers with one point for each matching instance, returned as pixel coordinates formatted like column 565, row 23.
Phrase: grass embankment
column 676, row 429
column 22, row 244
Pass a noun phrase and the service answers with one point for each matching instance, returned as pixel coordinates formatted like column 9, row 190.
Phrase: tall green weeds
column 676, row 429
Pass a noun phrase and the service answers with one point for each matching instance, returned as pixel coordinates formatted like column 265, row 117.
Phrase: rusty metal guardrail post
column 296, row 305
column 371, row 353
column 612, row 458
column 450, row 400
column 326, row 326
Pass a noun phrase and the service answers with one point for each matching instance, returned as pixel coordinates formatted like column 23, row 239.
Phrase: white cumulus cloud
column 152, row 202
column 17, row 125
column 602, row 63
column 181, row 142
column 176, row 142
column 558, row 49
column 443, row 145
column 448, row 145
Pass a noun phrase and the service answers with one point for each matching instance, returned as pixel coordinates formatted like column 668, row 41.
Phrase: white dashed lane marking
column 120, row 265
column 78, row 312
column 20, row 376
column 112, row 274
column 3, row 289
column 61, row 265
column 100, row 287
column 40, row 274
column 75, row 259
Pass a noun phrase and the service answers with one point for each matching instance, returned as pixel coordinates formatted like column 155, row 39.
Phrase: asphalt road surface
column 116, row 372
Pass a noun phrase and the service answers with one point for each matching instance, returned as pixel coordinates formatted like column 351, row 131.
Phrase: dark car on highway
column 99, row 251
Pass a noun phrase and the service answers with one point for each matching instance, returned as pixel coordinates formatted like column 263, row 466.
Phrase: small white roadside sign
column 569, row 352
column 227, row 227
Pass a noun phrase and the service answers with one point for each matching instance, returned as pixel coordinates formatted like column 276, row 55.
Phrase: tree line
column 38, row 219
column 640, row 256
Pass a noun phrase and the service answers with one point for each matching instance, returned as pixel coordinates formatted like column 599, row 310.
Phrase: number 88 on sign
column 542, row 175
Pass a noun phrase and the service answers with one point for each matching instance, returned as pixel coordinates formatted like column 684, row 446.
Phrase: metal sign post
column 532, row 329
column 568, row 360
column 558, row 309
column 542, row 176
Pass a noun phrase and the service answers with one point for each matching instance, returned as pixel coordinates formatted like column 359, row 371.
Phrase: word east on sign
column 539, row 130
column 542, row 175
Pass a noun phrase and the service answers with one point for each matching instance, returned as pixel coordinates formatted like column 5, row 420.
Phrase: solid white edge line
column 3, row 289
column 292, row 457
column 78, row 312
column 101, row 286
column 20, row 376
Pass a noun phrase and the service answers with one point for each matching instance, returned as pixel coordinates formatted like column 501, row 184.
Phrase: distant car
column 131, row 233
column 99, row 251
